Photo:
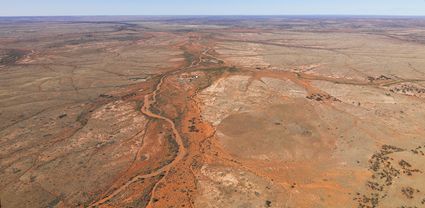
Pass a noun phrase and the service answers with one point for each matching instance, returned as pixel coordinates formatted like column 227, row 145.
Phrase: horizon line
column 213, row 15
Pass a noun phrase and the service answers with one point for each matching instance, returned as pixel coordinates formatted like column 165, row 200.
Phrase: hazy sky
column 210, row 7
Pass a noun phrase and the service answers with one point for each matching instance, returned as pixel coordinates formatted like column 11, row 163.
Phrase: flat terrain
column 212, row 112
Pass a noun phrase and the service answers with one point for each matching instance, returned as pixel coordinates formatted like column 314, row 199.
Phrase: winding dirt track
column 150, row 100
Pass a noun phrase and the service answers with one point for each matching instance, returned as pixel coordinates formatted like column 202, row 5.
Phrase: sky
column 211, row 7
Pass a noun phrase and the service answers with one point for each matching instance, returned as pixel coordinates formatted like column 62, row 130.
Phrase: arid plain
column 212, row 112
